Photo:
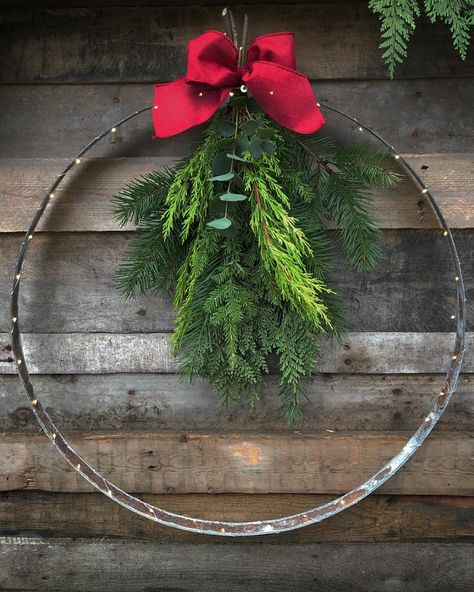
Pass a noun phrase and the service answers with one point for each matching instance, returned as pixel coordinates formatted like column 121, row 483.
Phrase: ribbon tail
column 286, row 95
column 178, row 106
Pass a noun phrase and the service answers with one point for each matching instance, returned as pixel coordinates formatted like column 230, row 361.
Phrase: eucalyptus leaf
column 266, row 134
column 235, row 157
column 241, row 145
column 223, row 144
column 256, row 148
column 230, row 232
column 220, row 223
column 225, row 177
column 238, row 182
column 226, row 128
column 250, row 127
column 268, row 147
column 232, row 197
column 221, row 164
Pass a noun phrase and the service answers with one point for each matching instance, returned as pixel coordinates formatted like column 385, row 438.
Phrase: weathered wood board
column 83, row 202
column 333, row 40
column 150, row 402
column 412, row 114
column 68, row 285
column 107, row 353
column 242, row 463
column 378, row 518
column 67, row 565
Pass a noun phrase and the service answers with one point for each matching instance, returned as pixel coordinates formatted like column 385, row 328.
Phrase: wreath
column 237, row 232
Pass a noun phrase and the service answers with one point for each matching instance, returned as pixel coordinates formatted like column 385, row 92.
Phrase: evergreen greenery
column 398, row 22
column 237, row 235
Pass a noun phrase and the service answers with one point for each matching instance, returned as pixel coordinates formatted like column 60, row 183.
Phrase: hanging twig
column 227, row 25
column 245, row 31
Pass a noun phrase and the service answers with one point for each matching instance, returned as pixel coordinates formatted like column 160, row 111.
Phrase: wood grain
column 68, row 285
column 107, row 353
column 69, row 565
column 83, row 201
column 141, row 44
column 378, row 518
column 134, row 402
column 415, row 115
column 242, row 463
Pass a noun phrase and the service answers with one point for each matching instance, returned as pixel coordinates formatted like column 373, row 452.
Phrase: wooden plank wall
column 103, row 366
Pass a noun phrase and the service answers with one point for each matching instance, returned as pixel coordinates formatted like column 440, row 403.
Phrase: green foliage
column 238, row 234
column 398, row 22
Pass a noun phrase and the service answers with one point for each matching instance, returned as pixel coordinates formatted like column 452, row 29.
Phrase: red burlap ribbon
column 213, row 71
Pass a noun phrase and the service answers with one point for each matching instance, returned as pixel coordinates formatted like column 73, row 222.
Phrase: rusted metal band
column 258, row 527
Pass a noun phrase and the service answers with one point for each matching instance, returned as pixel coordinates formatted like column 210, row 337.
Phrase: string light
column 113, row 130
column 200, row 94
column 424, row 190
column 271, row 92
column 445, row 233
column 397, row 156
column 453, row 317
column 243, row 88
column 30, row 236
column 18, row 362
column 254, row 527
column 318, row 104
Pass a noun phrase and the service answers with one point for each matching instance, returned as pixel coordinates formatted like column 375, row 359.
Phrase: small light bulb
column 54, row 436
column 343, row 502
column 18, row 362
column 51, row 195
column 17, row 276
column 155, row 107
column 427, row 420
column 397, row 156
column 231, row 93
column 78, row 161
column 30, row 236
column 34, row 402
column 78, row 466
column 14, row 320
column 318, row 104
column 200, row 94
column 454, row 357
column 453, row 317
column 457, row 278
column 113, row 130
column 424, row 190
column 243, row 88
column 445, row 233
column 361, row 129
column 271, row 92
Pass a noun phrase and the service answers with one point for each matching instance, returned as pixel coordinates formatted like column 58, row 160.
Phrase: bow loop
column 213, row 71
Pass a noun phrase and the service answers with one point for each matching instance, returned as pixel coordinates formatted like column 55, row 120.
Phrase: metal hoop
column 259, row 527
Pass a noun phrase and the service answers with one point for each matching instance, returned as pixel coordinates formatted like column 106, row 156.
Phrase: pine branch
column 142, row 198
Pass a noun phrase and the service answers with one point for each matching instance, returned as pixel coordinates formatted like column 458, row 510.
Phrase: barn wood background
column 69, row 70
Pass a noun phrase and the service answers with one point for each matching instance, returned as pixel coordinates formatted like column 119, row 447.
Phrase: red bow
column 213, row 71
